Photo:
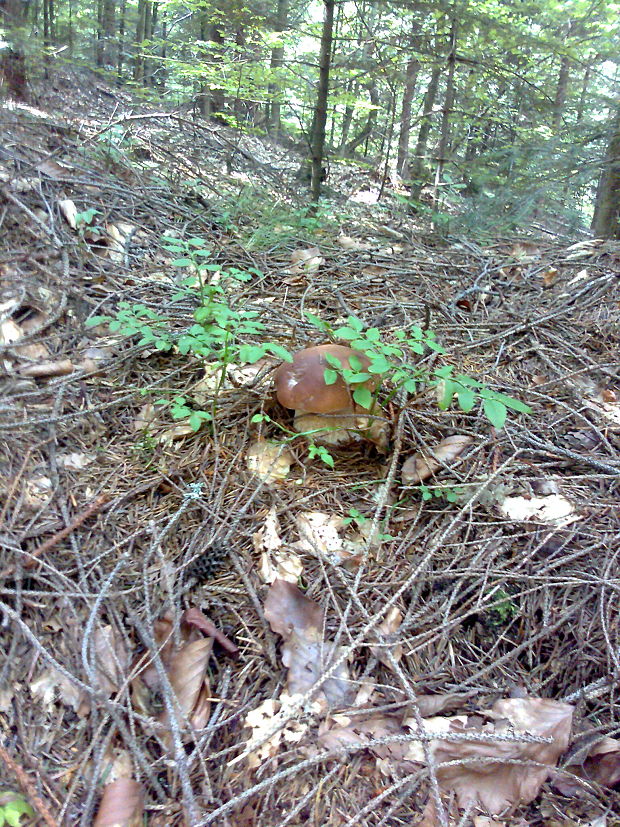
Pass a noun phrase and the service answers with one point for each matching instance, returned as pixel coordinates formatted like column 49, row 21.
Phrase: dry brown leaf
column 244, row 376
column 194, row 619
column 341, row 730
column 388, row 627
column 45, row 369
column 268, row 537
column 69, row 211
column 112, row 659
column 37, row 492
column 306, row 260
column 506, row 782
column 174, row 433
column 52, row 168
column 420, row 467
column 11, row 332
column 118, row 236
column 192, row 624
column 145, row 418
column 44, row 687
column 349, row 243
column 299, row 621
column 187, row 674
column 270, row 461
column 261, row 721
column 598, row 762
column 318, row 532
column 431, row 705
column 509, row 779
column 276, row 563
column 121, row 804
column 374, row 270
column 74, row 461
column 553, row 508
column 549, row 276
column 525, row 251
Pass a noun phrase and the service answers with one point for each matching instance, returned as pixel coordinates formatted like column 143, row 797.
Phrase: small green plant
column 208, row 278
column 222, row 334
column 355, row 516
column 86, row 217
column 12, row 807
column 181, row 409
column 391, row 363
column 321, row 452
column 503, row 610
column 264, row 224
column 448, row 493
column 136, row 319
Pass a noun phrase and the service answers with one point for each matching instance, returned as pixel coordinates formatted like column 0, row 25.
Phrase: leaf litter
column 553, row 581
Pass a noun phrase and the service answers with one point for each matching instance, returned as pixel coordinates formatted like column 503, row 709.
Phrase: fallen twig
column 28, row 788
column 92, row 509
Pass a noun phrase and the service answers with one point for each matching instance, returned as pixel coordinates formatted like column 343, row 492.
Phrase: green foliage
column 356, row 516
column 394, row 364
column 181, row 409
column 320, row 452
column 264, row 223
column 503, row 610
column 448, row 493
column 137, row 319
column 222, row 334
column 86, row 217
column 12, row 807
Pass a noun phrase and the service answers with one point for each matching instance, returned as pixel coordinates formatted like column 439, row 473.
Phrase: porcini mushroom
column 328, row 408
column 301, row 385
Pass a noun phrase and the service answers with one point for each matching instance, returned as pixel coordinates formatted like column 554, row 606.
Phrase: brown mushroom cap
column 301, row 385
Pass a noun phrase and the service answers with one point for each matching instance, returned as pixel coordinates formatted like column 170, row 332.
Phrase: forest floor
column 148, row 668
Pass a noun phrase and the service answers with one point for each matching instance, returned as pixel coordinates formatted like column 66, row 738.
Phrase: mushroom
column 301, row 385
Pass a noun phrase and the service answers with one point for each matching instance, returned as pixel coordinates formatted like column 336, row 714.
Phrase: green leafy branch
column 392, row 364
column 12, row 807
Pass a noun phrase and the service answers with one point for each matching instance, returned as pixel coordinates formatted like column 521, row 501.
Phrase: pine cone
column 207, row 564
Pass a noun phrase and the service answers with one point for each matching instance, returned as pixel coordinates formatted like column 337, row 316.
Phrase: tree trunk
column 318, row 135
column 366, row 131
column 274, row 125
column 411, row 76
column 109, row 30
column 138, row 66
column 121, row 39
column 606, row 221
column 347, row 119
column 13, row 68
column 149, row 31
column 444, row 136
column 560, row 94
column 417, row 167
column 211, row 101
column 163, row 72
column 99, row 41
column 584, row 93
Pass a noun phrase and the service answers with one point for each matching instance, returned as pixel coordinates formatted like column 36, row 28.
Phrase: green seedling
column 503, row 609
column 86, row 217
column 445, row 492
column 221, row 334
column 320, row 452
column 12, row 807
column 393, row 364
